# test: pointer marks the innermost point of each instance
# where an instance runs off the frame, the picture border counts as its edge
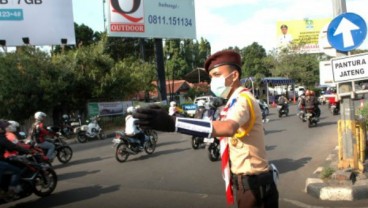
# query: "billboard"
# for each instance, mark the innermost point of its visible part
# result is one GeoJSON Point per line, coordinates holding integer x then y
{"type": "Point", "coordinates": [108, 108]}
{"type": "Point", "coordinates": [304, 33]}
{"type": "Point", "coordinates": [36, 22]}
{"type": "Point", "coordinates": [152, 18]}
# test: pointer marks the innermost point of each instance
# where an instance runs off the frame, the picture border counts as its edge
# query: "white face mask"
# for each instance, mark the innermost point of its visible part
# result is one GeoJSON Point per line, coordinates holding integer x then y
{"type": "Point", "coordinates": [219, 88]}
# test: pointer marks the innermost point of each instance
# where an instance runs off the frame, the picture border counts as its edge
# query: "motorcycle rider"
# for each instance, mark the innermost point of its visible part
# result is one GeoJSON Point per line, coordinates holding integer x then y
{"type": "Point", "coordinates": [131, 129]}
{"type": "Point", "coordinates": [283, 102]}
{"type": "Point", "coordinates": [172, 108]}
{"type": "Point", "coordinates": [264, 115]}
{"type": "Point", "coordinates": [39, 132]}
{"type": "Point", "coordinates": [317, 111]}
{"type": "Point", "coordinates": [10, 134]}
{"type": "Point", "coordinates": [310, 103]}
{"type": "Point", "coordinates": [200, 110]}
{"type": "Point", "coordinates": [301, 99]}
{"type": "Point", "coordinates": [6, 145]}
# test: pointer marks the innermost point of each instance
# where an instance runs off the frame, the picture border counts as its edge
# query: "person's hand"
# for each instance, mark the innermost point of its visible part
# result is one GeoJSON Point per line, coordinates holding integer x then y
{"type": "Point", "coordinates": [155, 117]}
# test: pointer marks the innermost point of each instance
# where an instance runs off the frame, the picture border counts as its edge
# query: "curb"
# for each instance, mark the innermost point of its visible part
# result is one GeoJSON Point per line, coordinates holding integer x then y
{"type": "Point", "coordinates": [318, 188]}
{"type": "Point", "coordinates": [340, 190]}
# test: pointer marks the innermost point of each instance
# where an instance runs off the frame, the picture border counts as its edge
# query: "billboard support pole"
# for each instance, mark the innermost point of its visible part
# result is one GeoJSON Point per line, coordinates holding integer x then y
{"type": "Point", "coordinates": [161, 84]}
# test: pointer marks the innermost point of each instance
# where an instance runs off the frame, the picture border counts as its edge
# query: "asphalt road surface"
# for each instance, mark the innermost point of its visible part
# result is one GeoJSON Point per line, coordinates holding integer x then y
{"type": "Point", "coordinates": [178, 176]}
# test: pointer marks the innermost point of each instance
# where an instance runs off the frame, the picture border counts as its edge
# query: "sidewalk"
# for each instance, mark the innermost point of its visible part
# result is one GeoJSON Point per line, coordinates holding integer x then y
{"type": "Point", "coordinates": [342, 185]}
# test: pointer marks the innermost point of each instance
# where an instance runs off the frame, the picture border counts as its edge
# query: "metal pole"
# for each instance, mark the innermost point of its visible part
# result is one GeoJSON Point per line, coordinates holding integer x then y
{"type": "Point", "coordinates": [339, 7]}
{"type": "Point", "coordinates": [199, 75]}
{"type": "Point", "coordinates": [267, 93]}
{"type": "Point", "coordinates": [347, 108]}
{"type": "Point", "coordinates": [160, 69]}
{"type": "Point", "coordinates": [104, 13]}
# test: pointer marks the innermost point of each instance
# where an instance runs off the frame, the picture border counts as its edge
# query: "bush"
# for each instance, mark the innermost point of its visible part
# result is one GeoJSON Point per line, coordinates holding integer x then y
{"type": "Point", "coordinates": [327, 172]}
{"type": "Point", "coordinates": [363, 112]}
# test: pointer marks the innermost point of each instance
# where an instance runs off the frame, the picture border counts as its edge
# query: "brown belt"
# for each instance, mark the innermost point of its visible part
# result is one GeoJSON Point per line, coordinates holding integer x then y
{"type": "Point", "coordinates": [253, 181]}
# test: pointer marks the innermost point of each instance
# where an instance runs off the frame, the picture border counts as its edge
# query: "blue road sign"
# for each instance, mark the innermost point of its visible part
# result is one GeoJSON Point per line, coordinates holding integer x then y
{"type": "Point", "coordinates": [347, 32]}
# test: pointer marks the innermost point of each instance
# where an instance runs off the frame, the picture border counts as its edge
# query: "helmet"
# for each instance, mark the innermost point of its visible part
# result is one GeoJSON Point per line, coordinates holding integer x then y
{"type": "Point", "coordinates": [13, 125]}
{"type": "Point", "coordinates": [307, 93]}
{"type": "Point", "coordinates": [130, 109]}
{"type": "Point", "coordinates": [172, 103]}
{"type": "Point", "coordinates": [200, 103]}
{"type": "Point", "coordinates": [65, 116]}
{"type": "Point", "coordinates": [39, 116]}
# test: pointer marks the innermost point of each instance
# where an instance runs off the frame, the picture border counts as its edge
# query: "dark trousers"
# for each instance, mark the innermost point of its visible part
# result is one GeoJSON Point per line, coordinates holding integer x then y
{"type": "Point", "coordinates": [252, 193]}
{"type": "Point", "coordinates": [7, 168]}
{"type": "Point", "coordinates": [141, 137]}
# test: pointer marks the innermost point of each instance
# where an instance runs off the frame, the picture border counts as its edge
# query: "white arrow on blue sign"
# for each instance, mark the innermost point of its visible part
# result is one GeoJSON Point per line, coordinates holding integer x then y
{"type": "Point", "coordinates": [347, 32]}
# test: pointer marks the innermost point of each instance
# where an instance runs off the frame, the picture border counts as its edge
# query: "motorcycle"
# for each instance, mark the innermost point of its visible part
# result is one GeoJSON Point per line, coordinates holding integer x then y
{"type": "Point", "coordinates": [214, 149]}
{"type": "Point", "coordinates": [301, 114]}
{"type": "Point", "coordinates": [125, 145]}
{"type": "Point", "coordinates": [335, 109]}
{"type": "Point", "coordinates": [311, 117]}
{"type": "Point", "coordinates": [64, 152]}
{"type": "Point", "coordinates": [37, 178]}
{"type": "Point", "coordinates": [90, 131]}
{"type": "Point", "coordinates": [283, 110]}
{"type": "Point", "coordinates": [68, 126]}
{"type": "Point", "coordinates": [334, 105]}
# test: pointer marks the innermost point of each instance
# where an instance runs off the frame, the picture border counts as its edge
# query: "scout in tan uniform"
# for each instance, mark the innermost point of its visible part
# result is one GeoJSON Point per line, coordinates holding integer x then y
{"type": "Point", "coordinates": [240, 128]}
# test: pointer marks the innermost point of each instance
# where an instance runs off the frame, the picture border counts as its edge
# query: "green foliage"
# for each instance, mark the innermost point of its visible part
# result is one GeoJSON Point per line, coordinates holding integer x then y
{"type": "Point", "coordinates": [182, 56]}
{"type": "Point", "coordinates": [253, 61]}
{"type": "Point", "coordinates": [84, 36]}
{"type": "Point", "coordinates": [303, 68]}
{"type": "Point", "coordinates": [199, 89]}
{"type": "Point", "coordinates": [29, 82]}
{"type": "Point", "coordinates": [363, 113]}
{"type": "Point", "coordinates": [327, 172]}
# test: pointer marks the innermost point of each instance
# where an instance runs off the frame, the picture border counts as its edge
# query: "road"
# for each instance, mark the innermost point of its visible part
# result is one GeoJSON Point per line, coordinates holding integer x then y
{"type": "Point", "coordinates": [176, 175]}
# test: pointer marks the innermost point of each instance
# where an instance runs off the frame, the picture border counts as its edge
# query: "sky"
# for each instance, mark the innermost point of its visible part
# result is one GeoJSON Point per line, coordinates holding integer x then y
{"type": "Point", "coordinates": [230, 23]}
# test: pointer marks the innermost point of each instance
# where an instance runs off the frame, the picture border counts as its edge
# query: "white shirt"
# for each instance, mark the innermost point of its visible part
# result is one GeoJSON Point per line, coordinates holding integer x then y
{"type": "Point", "coordinates": [130, 128]}
{"type": "Point", "coordinates": [284, 40]}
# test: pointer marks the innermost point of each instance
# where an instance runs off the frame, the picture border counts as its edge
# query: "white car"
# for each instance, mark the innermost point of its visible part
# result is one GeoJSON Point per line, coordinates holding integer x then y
{"type": "Point", "coordinates": [207, 99]}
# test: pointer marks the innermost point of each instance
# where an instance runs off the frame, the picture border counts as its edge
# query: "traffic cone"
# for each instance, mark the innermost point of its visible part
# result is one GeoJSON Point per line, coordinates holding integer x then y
{"type": "Point", "coordinates": [294, 100]}
{"type": "Point", "coordinates": [273, 103]}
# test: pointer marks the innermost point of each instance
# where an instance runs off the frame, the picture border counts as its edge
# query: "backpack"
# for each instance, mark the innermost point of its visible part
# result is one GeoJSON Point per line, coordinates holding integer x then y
{"type": "Point", "coordinates": [309, 102]}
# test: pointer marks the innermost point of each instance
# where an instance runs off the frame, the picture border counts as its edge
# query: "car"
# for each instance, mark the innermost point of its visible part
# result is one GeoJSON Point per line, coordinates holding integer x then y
{"type": "Point", "coordinates": [207, 99]}
{"type": "Point", "coordinates": [189, 109]}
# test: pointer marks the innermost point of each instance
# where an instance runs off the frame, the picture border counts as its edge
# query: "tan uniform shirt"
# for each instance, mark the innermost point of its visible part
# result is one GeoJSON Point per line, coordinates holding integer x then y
{"type": "Point", "coordinates": [248, 156]}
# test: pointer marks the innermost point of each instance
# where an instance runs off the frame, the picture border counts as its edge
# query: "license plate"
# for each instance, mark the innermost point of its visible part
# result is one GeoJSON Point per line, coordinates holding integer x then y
{"type": "Point", "coordinates": [208, 140]}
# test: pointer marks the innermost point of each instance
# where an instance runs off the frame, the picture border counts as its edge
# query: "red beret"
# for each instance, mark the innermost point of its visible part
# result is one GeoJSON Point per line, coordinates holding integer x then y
{"type": "Point", "coordinates": [225, 57]}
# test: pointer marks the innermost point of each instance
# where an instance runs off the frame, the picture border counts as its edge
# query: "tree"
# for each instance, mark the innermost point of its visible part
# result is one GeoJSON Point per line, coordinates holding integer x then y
{"type": "Point", "coordinates": [84, 36]}
{"type": "Point", "coordinates": [253, 61]}
{"type": "Point", "coordinates": [29, 83]}
{"type": "Point", "coordinates": [303, 68]}
{"type": "Point", "coordinates": [120, 48]}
